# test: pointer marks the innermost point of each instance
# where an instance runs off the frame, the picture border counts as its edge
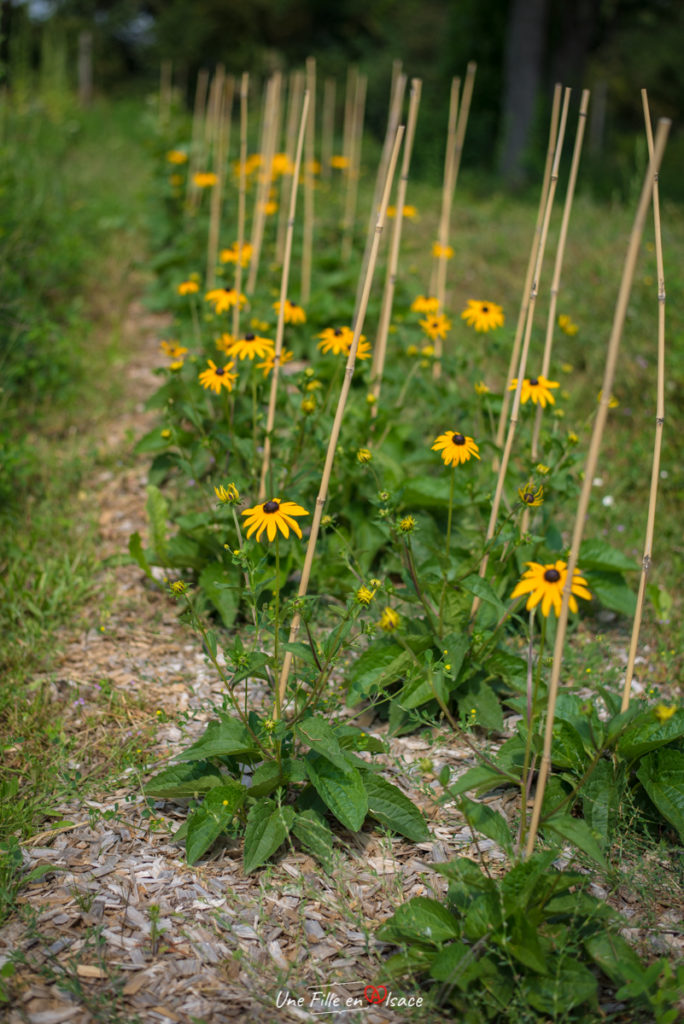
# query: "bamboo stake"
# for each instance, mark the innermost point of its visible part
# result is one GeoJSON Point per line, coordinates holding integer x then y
{"type": "Point", "coordinates": [309, 181]}
{"type": "Point", "coordinates": [328, 127]}
{"type": "Point", "coordinates": [284, 280]}
{"type": "Point", "coordinates": [522, 314]}
{"type": "Point", "coordinates": [223, 127]}
{"type": "Point", "coordinates": [448, 158]}
{"type": "Point", "coordinates": [555, 284]}
{"type": "Point", "coordinates": [590, 466]}
{"type": "Point", "coordinates": [195, 148]}
{"type": "Point", "coordinates": [348, 127]}
{"type": "Point", "coordinates": [378, 364]}
{"type": "Point", "coordinates": [165, 85]}
{"type": "Point", "coordinates": [214, 102]}
{"type": "Point", "coordinates": [294, 106]}
{"type": "Point", "coordinates": [355, 136]}
{"type": "Point", "coordinates": [491, 528]}
{"type": "Point", "coordinates": [267, 148]}
{"type": "Point", "coordinates": [337, 423]}
{"type": "Point", "coordinates": [242, 199]}
{"type": "Point", "coordinates": [659, 423]}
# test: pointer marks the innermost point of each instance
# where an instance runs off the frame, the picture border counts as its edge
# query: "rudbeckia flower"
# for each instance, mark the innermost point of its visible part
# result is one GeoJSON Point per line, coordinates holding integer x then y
{"type": "Point", "coordinates": [217, 377]}
{"type": "Point", "coordinates": [339, 163]}
{"type": "Point", "coordinates": [442, 252]}
{"type": "Point", "coordinates": [566, 325]}
{"type": "Point", "coordinates": [204, 179]}
{"type": "Point", "coordinates": [425, 304]}
{"type": "Point", "coordinates": [224, 299]}
{"type": "Point", "coordinates": [232, 255]}
{"type": "Point", "coordinates": [272, 516]}
{"type": "Point", "coordinates": [267, 365]}
{"type": "Point", "coordinates": [227, 495]}
{"type": "Point", "coordinates": [535, 389]}
{"type": "Point", "coordinates": [531, 497]}
{"type": "Point", "coordinates": [281, 164]}
{"type": "Point", "coordinates": [436, 326]}
{"type": "Point", "coordinates": [483, 316]}
{"type": "Point", "coordinates": [336, 340]}
{"type": "Point", "coordinates": [545, 583]}
{"type": "Point", "coordinates": [250, 346]}
{"type": "Point", "coordinates": [407, 211]}
{"type": "Point", "coordinates": [187, 288]}
{"type": "Point", "coordinates": [456, 448]}
{"type": "Point", "coordinates": [481, 388]}
{"type": "Point", "coordinates": [177, 157]}
{"type": "Point", "coordinates": [172, 349]}
{"type": "Point", "coordinates": [293, 314]}
{"type": "Point", "coordinates": [389, 620]}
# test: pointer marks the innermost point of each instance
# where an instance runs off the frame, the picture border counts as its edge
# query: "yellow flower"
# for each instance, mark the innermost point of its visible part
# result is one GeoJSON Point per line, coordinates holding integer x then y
{"type": "Point", "coordinates": [535, 389]}
{"type": "Point", "coordinates": [364, 595]}
{"type": "Point", "coordinates": [407, 211]}
{"type": "Point", "coordinates": [269, 361]}
{"type": "Point", "coordinates": [364, 350]}
{"type": "Point", "coordinates": [566, 325]}
{"type": "Point", "coordinates": [442, 252]}
{"type": "Point", "coordinates": [572, 437]}
{"type": "Point", "coordinates": [224, 299]}
{"type": "Point", "coordinates": [166, 434]}
{"type": "Point", "coordinates": [178, 587]}
{"type": "Point", "coordinates": [413, 350]}
{"type": "Point", "coordinates": [281, 164]}
{"type": "Point", "coordinates": [336, 340]}
{"type": "Point", "coordinates": [308, 406]}
{"type": "Point", "coordinates": [567, 367]}
{"type": "Point", "coordinates": [176, 180]}
{"type": "Point", "coordinates": [545, 583]}
{"type": "Point", "coordinates": [177, 157]}
{"type": "Point", "coordinates": [204, 179]}
{"type": "Point", "coordinates": [172, 349]}
{"type": "Point", "coordinates": [339, 163]}
{"type": "Point", "coordinates": [663, 712]}
{"type": "Point", "coordinates": [425, 304]}
{"type": "Point", "coordinates": [483, 316]}
{"type": "Point", "coordinates": [227, 495]}
{"type": "Point", "coordinates": [436, 326]}
{"type": "Point", "coordinates": [272, 516]}
{"type": "Point", "coordinates": [217, 377]}
{"type": "Point", "coordinates": [370, 398]}
{"type": "Point", "coordinates": [250, 346]}
{"type": "Point", "coordinates": [531, 497]}
{"type": "Point", "coordinates": [541, 468]}
{"type": "Point", "coordinates": [612, 404]}
{"type": "Point", "coordinates": [293, 314]}
{"type": "Point", "coordinates": [427, 350]}
{"type": "Point", "coordinates": [187, 288]}
{"type": "Point", "coordinates": [269, 207]}
{"type": "Point", "coordinates": [232, 255]}
{"type": "Point", "coordinates": [364, 455]}
{"type": "Point", "coordinates": [481, 388]}
{"type": "Point", "coordinates": [389, 620]}
{"type": "Point", "coordinates": [407, 524]}
{"type": "Point", "coordinates": [456, 448]}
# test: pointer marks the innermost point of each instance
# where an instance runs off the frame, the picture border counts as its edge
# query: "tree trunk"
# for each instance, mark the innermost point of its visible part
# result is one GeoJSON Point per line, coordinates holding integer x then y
{"type": "Point", "coordinates": [522, 71]}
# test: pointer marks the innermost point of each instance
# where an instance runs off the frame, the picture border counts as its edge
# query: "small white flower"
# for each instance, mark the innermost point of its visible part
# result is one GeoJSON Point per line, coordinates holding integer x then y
{"type": "Point", "coordinates": [598, 481]}
{"type": "Point", "coordinates": [663, 474]}
{"type": "Point", "coordinates": [608, 500]}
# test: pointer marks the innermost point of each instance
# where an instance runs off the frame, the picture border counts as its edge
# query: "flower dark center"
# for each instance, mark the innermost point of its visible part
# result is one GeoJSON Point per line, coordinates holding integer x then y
{"type": "Point", "coordinates": [528, 496]}
{"type": "Point", "coordinates": [552, 576]}
{"type": "Point", "coordinates": [270, 507]}
{"type": "Point", "coordinates": [219, 372]}
{"type": "Point", "coordinates": [534, 381]}
{"type": "Point", "coordinates": [484, 309]}
{"type": "Point", "coordinates": [228, 290]}
{"type": "Point", "coordinates": [337, 332]}
{"type": "Point", "coordinates": [457, 439]}
{"type": "Point", "coordinates": [250, 337]}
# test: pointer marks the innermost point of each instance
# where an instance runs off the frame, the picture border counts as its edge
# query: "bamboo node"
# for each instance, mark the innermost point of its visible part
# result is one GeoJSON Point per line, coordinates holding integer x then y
{"type": "Point", "coordinates": [660, 420]}
{"type": "Point", "coordinates": [646, 563]}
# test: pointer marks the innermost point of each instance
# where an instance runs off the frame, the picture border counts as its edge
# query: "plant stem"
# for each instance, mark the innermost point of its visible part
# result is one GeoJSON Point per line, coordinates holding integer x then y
{"type": "Point", "coordinates": [447, 547]}
{"type": "Point", "coordinates": [531, 705]}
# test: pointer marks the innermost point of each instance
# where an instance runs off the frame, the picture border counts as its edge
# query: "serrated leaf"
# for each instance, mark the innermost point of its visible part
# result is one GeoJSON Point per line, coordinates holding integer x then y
{"type": "Point", "coordinates": [480, 778]}
{"type": "Point", "coordinates": [596, 554]}
{"type": "Point", "coordinates": [661, 773]}
{"type": "Point", "coordinates": [268, 825]}
{"type": "Point", "coordinates": [315, 836]}
{"type": "Point", "coordinates": [612, 591]}
{"type": "Point", "coordinates": [577, 832]}
{"type": "Point", "coordinates": [183, 780]}
{"type": "Point", "coordinates": [226, 600]}
{"type": "Point", "coordinates": [317, 734]}
{"type": "Point", "coordinates": [487, 821]}
{"type": "Point", "coordinates": [479, 696]}
{"type": "Point", "coordinates": [208, 821]}
{"type": "Point", "coordinates": [136, 550]}
{"type": "Point", "coordinates": [483, 589]}
{"type": "Point", "coordinates": [342, 792]}
{"type": "Point", "coordinates": [648, 733]}
{"type": "Point", "coordinates": [600, 798]}
{"type": "Point", "coordinates": [224, 737]}
{"type": "Point", "coordinates": [431, 492]}
{"type": "Point", "coordinates": [378, 666]}
{"type": "Point", "coordinates": [421, 919]}
{"type": "Point", "coordinates": [389, 806]}
{"type": "Point", "coordinates": [270, 776]}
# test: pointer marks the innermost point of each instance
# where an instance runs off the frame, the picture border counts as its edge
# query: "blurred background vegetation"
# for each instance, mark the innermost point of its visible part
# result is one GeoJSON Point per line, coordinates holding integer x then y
{"type": "Point", "coordinates": [522, 47]}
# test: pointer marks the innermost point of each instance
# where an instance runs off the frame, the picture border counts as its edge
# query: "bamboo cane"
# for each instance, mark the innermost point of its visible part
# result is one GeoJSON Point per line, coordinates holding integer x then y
{"type": "Point", "coordinates": [503, 468]}
{"type": "Point", "coordinates": [225, 101]}
{"type": "Point", "coordinates": [294, 106]}
{"type": "Point", "coordinates": [267, 149]}
{"type": "Point", "coordinates": [522, 314]}
{"type": "Point", "coordinates": [448, 158]}
{"type": "Point", "coordinates": [284, 281]}
{"type": "Point", "coordinates": [165, 87]}
{"type": "Point", "coordinates": [309, 181]}
{"type": "Point", "coordinates": [590, 466]}
{"type": "Point", "coordinates": [197, 131]}
{"type": "Point", "coordinates": [337, 423]}
{"type": "Point", "coordinates": [242, 200]}
{"type": "Point", "coordinates": [659, 423]}
{"type": "Point", "coordinates": [355, 136]}
{"type": "Point", "coordinates": [328, 127]}
{"type": "Point", "coordinates": [378, 365]}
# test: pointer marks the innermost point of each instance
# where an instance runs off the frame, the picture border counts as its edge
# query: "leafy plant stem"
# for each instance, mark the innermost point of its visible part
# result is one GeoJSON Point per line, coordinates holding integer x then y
{"type": "Point", "coordinates": [447, 547]}
{"type": "Point", "coordinates": [532, 691]}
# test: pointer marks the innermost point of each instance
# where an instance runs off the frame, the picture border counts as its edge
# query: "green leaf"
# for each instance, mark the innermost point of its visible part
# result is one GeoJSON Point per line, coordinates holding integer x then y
{"type": "Point", "coordinates": [420, 920]}
{"type": "Point", "coordinates": [157, 513]}
{"type": "Point", "coordinates": [481, 697]}
{"type": "Point", "coordinates": [601, 799]}
{"type": "Point", "coordinates": [523, 942]}
{"type": "Point", "coordinates": [596, 554]}
{"type": "Point", "coordinates": [317, 734]}
{"type": "Point", "coordinates": [612, 591]}
{"type": "Point", "coordinates": [448, 964]}
{"type": "Point", "coordinates": [379, 666]}
{"type": "Point", "coordinates": [267, 828]}
{"type": "Point", "coordinates": [389, 806]}
{"type": "Point", "coordinates": [431, 492]}
{"type": "Point", "coordinates": [480, 779]}
{"type": "Point", "coordinates": [136, 549]}
{"type": "Point", "coordinates": [207, 823]}
{"type": "Point", "coordinates": [226, 600]}
{"type": "Point", "coordinates": [648, 733]}
{"type": "Point", "coordinates": [570, 984]}
{"type": "Point", "coordinates": [577, 832]}
{"type": "Point", "coordinates": [661, 773]}
{"type": "Point", "coordinates": [224, 737]}
{"type": "Point", "coordinates": [342, 792]}
{"type": "Point", "coordinates": [183, 780]}
{"type": "Point", "coordinates": [483, 589]}
{"type": "Point", "coordinates": [269, 776]}
{"type": "Point", "coordinates": [352, 738]}
{"type": "Point", "coordinates": [568, 750]}
{"type": "Point", "coordinates": [314, 834]}
{"type": "Point", "coordinates": [488, 822]}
